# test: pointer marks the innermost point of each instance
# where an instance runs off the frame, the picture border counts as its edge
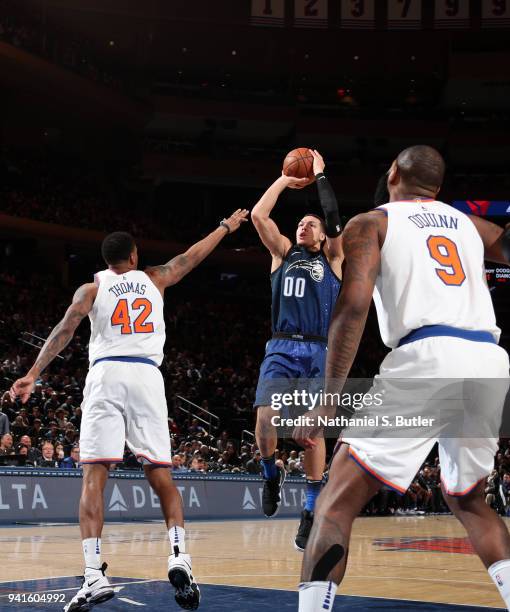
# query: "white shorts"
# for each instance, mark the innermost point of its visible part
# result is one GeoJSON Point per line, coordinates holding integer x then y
{"type": "Point", "coordinates": [124, 402]}
{"type": "Point", "coordinates": [464, 461]}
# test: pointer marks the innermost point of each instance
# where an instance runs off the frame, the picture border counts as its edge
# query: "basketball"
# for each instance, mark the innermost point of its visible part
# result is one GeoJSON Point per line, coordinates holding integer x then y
{"type": "Point", "coordinates": [299, 163]}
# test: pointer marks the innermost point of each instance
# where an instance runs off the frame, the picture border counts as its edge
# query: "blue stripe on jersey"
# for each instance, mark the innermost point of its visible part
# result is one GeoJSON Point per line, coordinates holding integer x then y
{"type": "Point", "coordinates": [431, 331]}
{"type": "Point", "coordinates": [128, 360]}
{"type": "Point", "coordinates": [304, 290]}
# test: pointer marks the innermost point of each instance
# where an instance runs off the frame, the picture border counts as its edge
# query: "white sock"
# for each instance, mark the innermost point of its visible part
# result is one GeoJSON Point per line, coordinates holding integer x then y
{"type": "Point", "coordinates": [176, 535]}
{"type": "Point", "coordinates": [318, 595]}
{"type": "Point", "coordinates": [500, 573]}
{"type": "Point", "coordinates": [92, 552]}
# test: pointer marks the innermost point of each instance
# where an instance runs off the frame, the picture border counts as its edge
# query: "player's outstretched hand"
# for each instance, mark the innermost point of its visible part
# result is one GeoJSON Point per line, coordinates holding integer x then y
{"type": "Point", "coordinates": [236, 219]}
{"type": "Point", "coordinates": [318, 162]}
{"type": "Point", "coordinates": [295, 183]}
{"type": "Point", "coordinates": [22, 388]}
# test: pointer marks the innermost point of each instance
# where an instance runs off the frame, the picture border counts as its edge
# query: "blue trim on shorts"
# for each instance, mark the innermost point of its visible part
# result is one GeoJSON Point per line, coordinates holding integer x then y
{"type": "Point", "coordinates": [127, 359]}
{"type": "Point", "coordinates": [430, 331]}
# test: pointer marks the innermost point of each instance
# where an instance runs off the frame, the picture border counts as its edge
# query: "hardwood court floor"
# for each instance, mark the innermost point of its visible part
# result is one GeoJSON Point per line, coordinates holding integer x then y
{"type": "Point", "coordinates": [402, 558]}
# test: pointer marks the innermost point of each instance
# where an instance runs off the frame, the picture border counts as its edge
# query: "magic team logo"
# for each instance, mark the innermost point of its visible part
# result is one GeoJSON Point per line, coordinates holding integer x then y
{"type": "Point", "coordinates": [461, 546]}
{"type": "Point", "coordinates": [315, 267]}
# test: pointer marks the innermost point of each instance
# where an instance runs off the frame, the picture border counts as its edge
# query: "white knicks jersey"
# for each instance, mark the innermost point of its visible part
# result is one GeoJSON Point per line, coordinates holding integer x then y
{"type": "Point", "coordinates": [127, 317]}
{"type": "Point", "coordinates": [432, 272]}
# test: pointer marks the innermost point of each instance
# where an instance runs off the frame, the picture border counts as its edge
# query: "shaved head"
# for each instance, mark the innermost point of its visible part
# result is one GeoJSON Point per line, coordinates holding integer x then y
{"type": "Point", "coordinates": [421, 167]}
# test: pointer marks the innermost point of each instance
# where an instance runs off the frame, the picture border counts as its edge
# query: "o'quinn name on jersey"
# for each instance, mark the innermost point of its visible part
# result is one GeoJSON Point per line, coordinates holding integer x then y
{"type": "Point", "coordinates": [427, 219]}
{"type": "Point", "coordinates": [121, 288]}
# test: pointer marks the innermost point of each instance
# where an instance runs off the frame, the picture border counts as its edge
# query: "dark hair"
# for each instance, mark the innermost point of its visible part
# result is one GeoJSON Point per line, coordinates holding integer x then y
{"type": "Point", "coordinates": [421, 166]}
{"type": "Point", "coordinates": [117, 247]}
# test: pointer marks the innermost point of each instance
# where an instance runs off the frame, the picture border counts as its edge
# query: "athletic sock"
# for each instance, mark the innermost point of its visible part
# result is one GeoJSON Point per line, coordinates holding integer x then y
{"type": "Point", "coordinates": [317, 595]}
{"type": "Point", "coordinates": [269, 469]}
{"type": "Point", "coordinates": [176, 535]}
{"type": "Point", "coordinates": [313, 488]}
{"type": "Point", "coordinates": [500, 573]}
{"type": "Point", "coordinates": [92, 553]}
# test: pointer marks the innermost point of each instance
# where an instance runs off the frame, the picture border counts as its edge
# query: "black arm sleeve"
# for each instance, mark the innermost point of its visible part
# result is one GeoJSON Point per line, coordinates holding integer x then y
{"type": "Point", "coordinates": [329, 206]}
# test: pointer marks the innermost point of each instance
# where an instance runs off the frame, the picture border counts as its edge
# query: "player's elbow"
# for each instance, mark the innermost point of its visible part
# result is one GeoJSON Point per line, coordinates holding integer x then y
{"type": "Point", "coordinates": [258, 218]}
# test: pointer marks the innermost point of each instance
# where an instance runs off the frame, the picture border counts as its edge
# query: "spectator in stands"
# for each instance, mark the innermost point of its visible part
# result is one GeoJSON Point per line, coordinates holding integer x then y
{"type": "Point", "coordinates": [69, 438]}
{"type": "Point", "coordinates": [59, 453]}
{"type": "Point", "coordinates": [51, 404]}
{"type": "Point", "coordinates": [36, 432]}
{"type": "Point", "coordinates": [34, 454]}
{"type": "Point", "coordinates": [22, 450]}
{"type": "Point", "coordinates": [73, 461]}
{"type": "Point", "coordinates": [198, 464]}
{"type": "Point", "coordinates": [6, 445]}
{"type": "Point", "coordinates": [178, 463]}
{"type": "Point", "coordinates": [60, 417]}
{"type": "Point", "coordinates": [222, 441]}
{"type": "Point", "coordinates": [195, 429]}
{"type": "Point", "coordinates": [293, 469]}
{"type": "Point", "coordinates": [8, 407]}
{"type": "Point", "coordinates": [4, 423]}
{"type": "Point", "coordinates": [493, 493]}
{"type": "Point", "coordinates": [76, 418]}
{"type": "Point", "coordinates": [506, 491]}
{"type": "Point", "coordinates": [253, 466]}
{"type": "Point", "coordinates": [47, 459]}
{"type": "Point", "coordinates": [19, 427]}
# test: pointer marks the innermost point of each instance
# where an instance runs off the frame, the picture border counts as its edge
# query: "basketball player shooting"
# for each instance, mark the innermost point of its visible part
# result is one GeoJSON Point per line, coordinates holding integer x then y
{"type": "Point", "coordinates": [423, 262]}
{"type": "Point", "coordinates": [124, 396]}
{"type": "Point", "coordinates": [305, 281]}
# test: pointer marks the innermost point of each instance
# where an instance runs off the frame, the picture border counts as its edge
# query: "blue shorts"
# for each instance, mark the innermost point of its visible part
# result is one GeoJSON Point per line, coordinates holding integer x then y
{"type": "Point", "coordinates": [288, 363]}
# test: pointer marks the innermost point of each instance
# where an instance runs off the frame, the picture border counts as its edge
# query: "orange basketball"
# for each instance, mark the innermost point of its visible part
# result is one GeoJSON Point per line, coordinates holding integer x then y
{"type": "Point", "coordinates": [299, 163]}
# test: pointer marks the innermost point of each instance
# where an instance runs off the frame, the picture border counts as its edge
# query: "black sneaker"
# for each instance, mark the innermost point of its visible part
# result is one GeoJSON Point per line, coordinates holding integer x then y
{"type": "Point", "coordinates": [303, 533]}
{"type": "Point", "coordinates": [271, 497]}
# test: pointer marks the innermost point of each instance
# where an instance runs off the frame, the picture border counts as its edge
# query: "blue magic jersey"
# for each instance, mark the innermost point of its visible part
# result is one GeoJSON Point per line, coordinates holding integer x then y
{"type": "Point", "coordinates": [305, 290]}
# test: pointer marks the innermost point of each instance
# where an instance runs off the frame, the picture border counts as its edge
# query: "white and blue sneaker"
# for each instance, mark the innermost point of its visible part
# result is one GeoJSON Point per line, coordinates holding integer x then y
{"type": "Point", "coordinates": [95, 590]}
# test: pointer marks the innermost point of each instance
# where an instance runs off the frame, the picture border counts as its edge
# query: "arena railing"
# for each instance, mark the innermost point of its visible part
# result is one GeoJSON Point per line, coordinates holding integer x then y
{"type": "Point", "coordinates": [213, 421]}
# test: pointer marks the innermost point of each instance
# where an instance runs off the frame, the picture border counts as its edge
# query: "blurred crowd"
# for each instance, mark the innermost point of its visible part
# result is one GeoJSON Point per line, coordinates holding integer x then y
{"type": "Point", "coordinates": [24, 30]}
{"type": "Point", "coordinates": [63, 191]}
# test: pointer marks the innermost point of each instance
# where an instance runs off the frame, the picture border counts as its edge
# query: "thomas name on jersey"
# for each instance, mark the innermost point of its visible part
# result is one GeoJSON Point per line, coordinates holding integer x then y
{"type": "Point", "coordinates": [427, 219]}
{"type": "Point", "coordinates": [122, 288]}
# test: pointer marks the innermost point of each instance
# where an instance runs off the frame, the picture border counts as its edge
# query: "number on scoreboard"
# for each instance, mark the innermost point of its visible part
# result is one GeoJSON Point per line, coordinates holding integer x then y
{"type": "Point", "coordinates": [269, 13]}
{"type": "Point", "coordinates": [311, 13]}
{"type": "Point", "coordinates": [358, 14]}
{"type": "Point", "coordinates": [495, 13]}
{"type": "Point", "coordinates": [451, 14]}
{"type": "Point", "coordinates": [404, 14]}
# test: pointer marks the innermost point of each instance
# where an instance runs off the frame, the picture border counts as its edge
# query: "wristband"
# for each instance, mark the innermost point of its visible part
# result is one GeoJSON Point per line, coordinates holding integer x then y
{"type": "Point", "coordinates": [225, 225]}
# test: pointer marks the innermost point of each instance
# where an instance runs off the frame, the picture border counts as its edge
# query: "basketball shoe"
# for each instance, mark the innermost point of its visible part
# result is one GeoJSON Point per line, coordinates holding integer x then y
{"type": "Point", "coordinates": [95, 590]}
{"type": "Point", "coordinates": [305, 526]}
{"type": "Point", "coordinates": [271, 494]}
{"type": "Point", "coordinates": [187, 593]}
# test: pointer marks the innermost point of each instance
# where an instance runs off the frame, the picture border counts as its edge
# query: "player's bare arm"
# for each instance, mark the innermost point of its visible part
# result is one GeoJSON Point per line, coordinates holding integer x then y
{"type": "Point", "coordinates": [363, 237]}
{"type": "Point", "coordinates": [174, 270]}
{"type": "Point", "coordinates": [333, 247]}
{"type": "Point", "coordinates": [496, 240]}
{"type": "Point", "coordinates": [361, 244]}
{"type": "Point", "coordinates": [58, 339]}
{"type": "Point", "coordinates": [275, 242]}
